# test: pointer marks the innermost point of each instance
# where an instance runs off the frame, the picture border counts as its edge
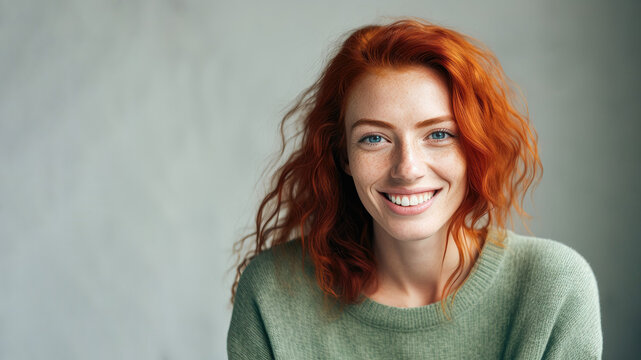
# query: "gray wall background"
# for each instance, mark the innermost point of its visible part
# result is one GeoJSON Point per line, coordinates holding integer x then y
{"type": "Point", "coordinates": [133, 135]}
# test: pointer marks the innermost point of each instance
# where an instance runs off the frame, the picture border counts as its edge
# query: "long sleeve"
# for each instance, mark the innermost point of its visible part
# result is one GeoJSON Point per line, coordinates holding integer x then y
{"type": "Point", "coordinates": [577, 332]}
{"type": "Point", "coordinates": [247, 337]}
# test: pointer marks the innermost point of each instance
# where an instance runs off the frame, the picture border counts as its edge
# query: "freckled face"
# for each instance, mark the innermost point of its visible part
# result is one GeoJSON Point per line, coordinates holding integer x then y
{"type": "Point", "coordinates": [403, 151]}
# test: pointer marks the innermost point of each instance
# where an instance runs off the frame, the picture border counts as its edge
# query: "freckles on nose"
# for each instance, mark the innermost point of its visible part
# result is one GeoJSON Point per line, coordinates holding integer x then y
{"type": "Point", "coordinates": [407, 163]}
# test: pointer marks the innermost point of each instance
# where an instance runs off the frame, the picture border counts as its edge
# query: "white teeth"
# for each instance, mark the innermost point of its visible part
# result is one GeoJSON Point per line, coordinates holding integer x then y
{"type": "Point", "coordinates": [411, 200]}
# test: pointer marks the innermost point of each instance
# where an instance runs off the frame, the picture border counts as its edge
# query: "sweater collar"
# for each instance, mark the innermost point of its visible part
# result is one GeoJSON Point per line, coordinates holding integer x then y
{"type": "Point", "coordinates": [481, 277]}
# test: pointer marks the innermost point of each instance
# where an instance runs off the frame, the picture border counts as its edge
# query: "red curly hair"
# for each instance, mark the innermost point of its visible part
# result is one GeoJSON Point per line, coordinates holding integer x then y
{"type": "Point", "coordinates": [314, 199]}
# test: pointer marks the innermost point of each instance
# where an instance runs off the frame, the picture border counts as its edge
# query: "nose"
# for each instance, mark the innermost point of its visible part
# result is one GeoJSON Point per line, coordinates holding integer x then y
{"type": "Point", "coordinates": [408, 163]}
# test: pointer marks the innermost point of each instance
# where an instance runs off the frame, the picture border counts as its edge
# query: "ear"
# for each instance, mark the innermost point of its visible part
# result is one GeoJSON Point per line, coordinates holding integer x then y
{"type": "Point", "coordinates": [346, 168]}
{"type": "Point", "coordinates": [345, 165]}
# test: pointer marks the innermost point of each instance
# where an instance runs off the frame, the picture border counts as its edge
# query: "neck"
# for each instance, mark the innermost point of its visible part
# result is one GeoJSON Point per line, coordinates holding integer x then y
{"type": "Point", "coordinates": [414, 273]}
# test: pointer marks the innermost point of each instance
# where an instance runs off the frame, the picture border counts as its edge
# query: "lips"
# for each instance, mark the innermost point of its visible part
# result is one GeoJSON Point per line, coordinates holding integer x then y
{"type": "Point", "coordinates": [407, 198]}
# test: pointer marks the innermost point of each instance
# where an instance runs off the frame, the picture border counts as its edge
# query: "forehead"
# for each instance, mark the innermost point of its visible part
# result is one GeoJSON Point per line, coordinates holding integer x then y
{"type": "Point", "coordinates": [401, 96]}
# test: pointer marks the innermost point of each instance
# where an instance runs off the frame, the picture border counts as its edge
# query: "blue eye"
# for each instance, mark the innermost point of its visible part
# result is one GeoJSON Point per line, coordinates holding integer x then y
{"type": "Point", "coordinates": [439, 135]}
{"type": "Point", "coordinates": [372, 139]}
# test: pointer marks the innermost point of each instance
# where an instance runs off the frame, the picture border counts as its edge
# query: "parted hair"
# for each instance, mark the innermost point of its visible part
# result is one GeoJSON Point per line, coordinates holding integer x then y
{"type": "Point", "coordinates": [311, 196]}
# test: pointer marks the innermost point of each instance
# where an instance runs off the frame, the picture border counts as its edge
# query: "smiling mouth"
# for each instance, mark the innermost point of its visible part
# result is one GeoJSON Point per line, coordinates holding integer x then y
{"type": "Point", "coordinates": [411, 199]}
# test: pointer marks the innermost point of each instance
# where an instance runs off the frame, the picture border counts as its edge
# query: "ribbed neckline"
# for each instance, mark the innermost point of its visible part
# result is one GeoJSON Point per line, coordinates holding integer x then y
{"type": "Point", "coordinates": [482, 275]}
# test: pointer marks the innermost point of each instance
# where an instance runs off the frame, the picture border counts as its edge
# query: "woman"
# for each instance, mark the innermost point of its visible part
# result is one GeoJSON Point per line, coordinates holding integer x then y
{"type": "Point", "coordinates": [412, 155]}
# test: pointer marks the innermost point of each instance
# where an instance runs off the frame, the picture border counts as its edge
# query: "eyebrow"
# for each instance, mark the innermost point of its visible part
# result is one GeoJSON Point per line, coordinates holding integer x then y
{"type": "Point", "coordinates": [383, 124]}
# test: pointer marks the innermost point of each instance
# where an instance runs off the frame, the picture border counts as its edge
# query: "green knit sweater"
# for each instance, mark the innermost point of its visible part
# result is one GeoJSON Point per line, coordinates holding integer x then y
{"type": "Point", "coordinates": [531, 299]}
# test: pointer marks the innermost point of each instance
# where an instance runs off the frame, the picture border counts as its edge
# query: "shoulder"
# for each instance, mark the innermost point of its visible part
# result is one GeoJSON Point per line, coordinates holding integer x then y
{"type": "Point", "coordinates": [275, 269]}
{"type": "Point", "coordinates": [268, 258]}
{"type": "Point", "coordinates": [546, 256]}
{"type": "Point", "coordinates": [552, 300]}
{"type": "Point", "coordinates": [548, 273]}
{"type": "Point", "coordinates": [554, 292]}
{"type": "Point", "coordinates": [260, 303]}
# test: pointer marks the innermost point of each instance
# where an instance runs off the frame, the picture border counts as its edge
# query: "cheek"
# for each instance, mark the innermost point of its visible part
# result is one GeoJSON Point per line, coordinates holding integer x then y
{"type": "Point", "coordinates": [366, 168]}
{"type": "Point", "coordinates": [452, 167]}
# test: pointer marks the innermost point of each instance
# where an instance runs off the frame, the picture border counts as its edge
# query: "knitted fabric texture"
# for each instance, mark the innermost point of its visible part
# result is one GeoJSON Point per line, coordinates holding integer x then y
{"type": "Point", "coordinates": [531, 299]}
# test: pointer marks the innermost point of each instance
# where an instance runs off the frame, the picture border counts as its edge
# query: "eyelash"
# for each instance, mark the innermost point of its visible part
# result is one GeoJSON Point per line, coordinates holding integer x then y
{"type": "Point", "coordinates": [364, 139]}
{"type": "Point", "coordinates": [445, 131]}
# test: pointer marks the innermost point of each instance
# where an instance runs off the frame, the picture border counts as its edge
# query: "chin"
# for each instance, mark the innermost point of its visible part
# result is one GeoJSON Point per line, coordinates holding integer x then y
{"type": "Point", "coordinates": [403, 232]}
